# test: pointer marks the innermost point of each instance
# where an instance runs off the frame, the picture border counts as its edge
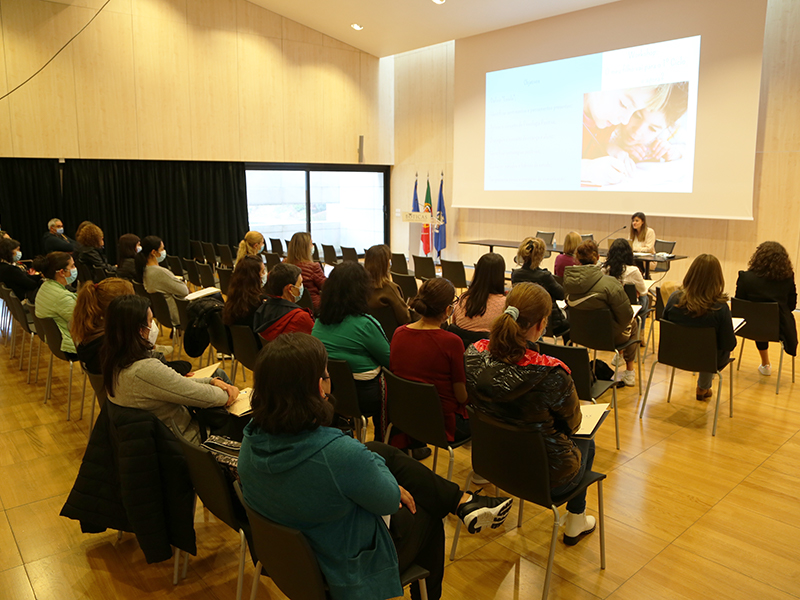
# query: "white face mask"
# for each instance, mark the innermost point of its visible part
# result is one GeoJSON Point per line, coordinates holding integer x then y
{"type": "Point", "coordinates": [162, 256]}
{"type": "Point", "coordinates": [299, 293]}
{"type": "Point", "coordinates": [152, 335]}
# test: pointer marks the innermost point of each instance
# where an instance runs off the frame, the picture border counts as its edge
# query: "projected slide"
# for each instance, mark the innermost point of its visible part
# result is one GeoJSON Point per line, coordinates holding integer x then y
{"type": "Point", "coordinates": [621, 120]}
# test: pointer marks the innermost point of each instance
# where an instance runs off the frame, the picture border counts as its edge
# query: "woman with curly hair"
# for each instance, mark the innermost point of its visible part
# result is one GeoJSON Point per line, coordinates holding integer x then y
{"type": "Point", "coordinates": [92, 242]}
{"type": "Point", "coordinates": [770, 278]}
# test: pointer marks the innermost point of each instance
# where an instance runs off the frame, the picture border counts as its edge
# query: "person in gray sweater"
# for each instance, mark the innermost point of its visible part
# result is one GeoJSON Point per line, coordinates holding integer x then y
{"type": "Point", "coordinates": [133, 379]}
{"type": "Point", "coordinates": [157, 279]}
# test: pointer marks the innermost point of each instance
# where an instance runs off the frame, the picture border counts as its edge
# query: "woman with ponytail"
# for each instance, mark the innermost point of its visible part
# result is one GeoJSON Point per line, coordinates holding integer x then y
{"type": "Point", "coordinates": [529, 257]}
{"type": "Point", "coordinates": [515, 384]}
{"type": "Point", "coordinates": [158, 279]}
{"type": "Point", "coordinates": [251, 245]}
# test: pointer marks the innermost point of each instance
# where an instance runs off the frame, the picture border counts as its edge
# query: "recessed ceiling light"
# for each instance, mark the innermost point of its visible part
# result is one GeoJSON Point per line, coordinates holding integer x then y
{"type": "Point", "coordinates": [356, 26]}
{"type": "Point", "coordinates": [438, 1]}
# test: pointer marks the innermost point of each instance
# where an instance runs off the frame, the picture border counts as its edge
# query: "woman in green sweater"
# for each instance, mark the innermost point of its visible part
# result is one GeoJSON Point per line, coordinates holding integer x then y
{"type": "Point", "coordinates": [54, 300]}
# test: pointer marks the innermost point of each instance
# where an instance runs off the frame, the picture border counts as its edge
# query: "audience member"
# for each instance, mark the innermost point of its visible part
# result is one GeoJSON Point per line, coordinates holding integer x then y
{"type": "Point", "coordinates": [91, 240]}
{"type": "Point", "coordinates": [567, 256]}
{"type": "Point", "coordinates": [244, 292]}
{"type": "Point", "coordinates": [377, 261]}
{"type": "Point", "coordinates": [588, 289]}
{"type": "Point", "coordinates": [157, 279]}
{"type": "Point", "coordinates": [301, 473]}
{"type": "Point", "coordinates": [251, 245]}
{"type": "Point", "coordinates": [770, 278]}
{"type": "Point", "coordinates": [55, 240]}
{"type": "Point", "coordinates": [128, 247]}
{"type": "Point", "coordinates": [529, 257]}
{"type": "Point", "coordinates": [423, 351]}
{"type": "Point", "coordinates": [512, 383]}
{"type": "Point", "coordinates": [619, 264]}
{"type": "Point", "coordinates": [299, 253]}
{"type": "Point", "coordinates": [702, 302]}
{"type": "Point", "coordinates": [280, 313]}
{"type": "Point", "coordinates": [54, 300]}
{"type": "Point", "coordinates": [133, 378]}
{"type": "Point", "coordinates": [22, 282]}
{"type": "Point", "coordinates": [350, 334]}
{"type": "Point", "coordinates": [482, 303]}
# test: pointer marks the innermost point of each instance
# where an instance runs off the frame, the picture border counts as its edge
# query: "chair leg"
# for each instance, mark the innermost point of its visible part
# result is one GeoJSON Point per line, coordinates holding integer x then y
{"type": "Point", "coordinates": [741, 349]}
{"type": "Point", "coordinates": [363, 433]}
{"type": "Point", "coordinates": [234, 364]}
{"type": "Point", "coordinates": [49, 379]}
{"type": "Point", "coordinates": [521, 512]}
{"type": "Point", "coordinates": [185, 564]}
{"type": "Point", "coordinates": [716, 409]}
{"type": "Point", "coordinates": [647, 391]}
{"type": "Point", "coordinates": [458, 524]}
{"type": "Point", "coordinates": [553, 541]}
{"type": "Point", "coordinates": [423, 589]}
{"type": "Point", "coordinates": [671, 381]}
{"type": "Point", "coordinates": [435, 459]}
{"type": "Point", "coordinates": [639, 364]}
{"type": "Point", "coordinates": [450, 467]}
{"type": "Point", "coordinates": [256, 577]}
{"type": "Point", "coordinates": [21, 351]}
{"type": "Point", "coordinates": [780, 368]}
{"type": "Point", "coordinates": [387, 434]}
{"type": "Point", "coordinates": [793, 369]}
{"type": "Point", "coordinates": [730, 392]}
{"type": "Point", "coordinates": [30, 356]}
{"type": "Point", "coordinates": [240, 579]}
{"type": "Point", "coordinates": [176, 566]}
{"type": "Point", "coordinates": [38, 358]}
{"type": "Point", "coordinates": [601, 523]}
{"type": "Point", "coordinates": [69, 393]}
{"type": "Point", "coordinates": [83, 393]}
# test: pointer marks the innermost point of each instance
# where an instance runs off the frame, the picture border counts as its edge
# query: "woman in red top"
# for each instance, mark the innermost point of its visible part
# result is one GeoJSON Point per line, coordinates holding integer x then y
{"type": "Point", "coordinates": [299, 253]}
{"type": "Point", "coordinates": [423, 351]}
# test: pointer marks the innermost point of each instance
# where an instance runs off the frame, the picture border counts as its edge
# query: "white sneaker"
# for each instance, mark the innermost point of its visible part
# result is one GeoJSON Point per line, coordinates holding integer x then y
{"type": "Point", "coordinates": [628, 378]}
{"type": "Point", "coordinates": [617, 360]}
{"type": "Point", "coordinates": [765, 370]}
{"type": "Point", "coordinates": [577, 526]}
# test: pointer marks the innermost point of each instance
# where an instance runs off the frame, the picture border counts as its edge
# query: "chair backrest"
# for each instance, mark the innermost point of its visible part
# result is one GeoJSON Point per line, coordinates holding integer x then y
{"type": "Point", "coordinates": [175, 265]}
{"type": "Point", "coordinates": [206, 275]}
{"type": "Point", "coordinates": [245, 346]}
{"type": "Point", "coordinates": [762, 320]}
{"type": "Point", "coordinates": [218, 333]}
{"type": "Point", "coordinates": [349, 254]}
{"type": "Point", "coordinates": [305, 300]}
{"type": "Point", "coordinates": [197, 250]}
{"type": "Point", "coordinates": [592, 328]}
{"type": "Point", "coordinates": [139, 290]}
{"type": "Point", "coordinates": [546, 237]}
{"type": "Point", "coordinates": [687, 348]}
{"type": "Point", "coordinates": [225, 255]}
{"type": "Point", "coordinates": [18, 311]}
{"type": "Point", "coordinates": [224, 275]}
{"type": "Point", "coordinates": [399, 263]}
{"type": "Point", "coordinates": [329, 254]}
{"type": "Point", "coordinates": [423, 267]}
{"type": "Point", "coordinates": [190, 266]}
{"type": "Point", "coordinates": [209, 482]}
{"type": "Point", "coordinates": [559, 279]}
{"type": "Point", "coordinates": [453, 271]}
{"type": "Point", "coordinates": [286, 555]}
{"type": "Point", "coordinates": [84, 273]}
{"type": "Point", "coordinates": [407, 284]}
{"type": "Point", "coordinates": [209, 253]}
{"type": "Point", "coordinates": [37, 324]}
{"type": "Point", "coordinates": [160, 308]}
{"type": "Point", "coordinates": [99, 388]}
{"type": "Point", "coordinates": [664, 246]}
{"type": "Point", "coordinates": [183, 312]}
{"type": "Point", "coordinates": [277, 246]}
{"type": "Point", "coordinates": [577, 359]}
{"type": "Point", "coordinates": [52, 336]}
{"type": "Point", "coordinates": [315, 252]}
{"type": "Point", "coordinates": [467, 336]}
{"type": "Point", "coordinates": [98, 274]}
{"type": "Point", "coordinates": [273, 260]}
{"type": "Point", "coordinates": [586, 237]}
{"type": "Point", "coordinates": [630, 290]}
{"type": "Point", "coordinates": [527, 475]}
{"type": "Point", "coordinates": [386, 317]}
{"type": "Point", "coordinates": [416, 409]}
{"type": "Point", "coordinates": [343, 388]}
{"type": "Point", "coordinates": [659, 304]}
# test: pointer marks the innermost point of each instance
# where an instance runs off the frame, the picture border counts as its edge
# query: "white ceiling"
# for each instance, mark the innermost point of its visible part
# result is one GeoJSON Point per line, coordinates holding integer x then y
{"type": "Point", "coordinates": [394, 26]}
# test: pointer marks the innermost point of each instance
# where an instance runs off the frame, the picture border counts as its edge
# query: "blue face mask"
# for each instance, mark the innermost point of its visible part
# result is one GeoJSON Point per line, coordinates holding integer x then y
{"type": "Point", "coordinates": [73, 275]}
{"type": "Point", "coordinates": [299, 293]}
{"type": "Point", "coordinates": [60, 231]}
{"type": "Point", "coordinates": [260, 249]}
{"type": "Point", "coordinates": [17, 256]}
{"type": "Point", "coordinates": [162, 256]}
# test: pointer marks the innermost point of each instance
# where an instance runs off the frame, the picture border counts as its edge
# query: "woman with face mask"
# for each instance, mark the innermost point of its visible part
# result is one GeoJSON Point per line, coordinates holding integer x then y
{"type": "Point", "coordinates": [281, 313]}
{"type": "Point", "coordinates": [245, 292]}
{"type": "Point", "coordinates": [133, 378]}
{"type": "Point", "coordinates": [13, 274]}
{"type": "Point", "coordinates": [54, 300]}
{"type": "Point", "coordinates": [158, 279]}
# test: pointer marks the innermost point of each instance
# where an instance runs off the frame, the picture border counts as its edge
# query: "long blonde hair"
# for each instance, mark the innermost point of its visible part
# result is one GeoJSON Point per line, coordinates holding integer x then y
{"type": "Point", "coordinates": [249, 245]}
{"type": "Point", "coordinates": [507, 340]}
{"type": "Point", "coordinates": [299, 250]}
{"type": "Point", "coordinates": [571, 243]}
{"type": "Point", "coordinates": [703, 286]}
{"type": "Point", "coordinates": [90, 307]}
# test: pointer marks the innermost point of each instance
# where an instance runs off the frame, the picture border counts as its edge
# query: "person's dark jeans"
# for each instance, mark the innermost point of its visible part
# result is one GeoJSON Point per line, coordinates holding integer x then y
{"type": "Point", "coordinates": [578, 504]}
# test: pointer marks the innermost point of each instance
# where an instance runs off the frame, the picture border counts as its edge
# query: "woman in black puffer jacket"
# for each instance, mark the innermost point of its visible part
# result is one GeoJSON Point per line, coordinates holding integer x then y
{"type": "Point", "coordinates": [509, 381]}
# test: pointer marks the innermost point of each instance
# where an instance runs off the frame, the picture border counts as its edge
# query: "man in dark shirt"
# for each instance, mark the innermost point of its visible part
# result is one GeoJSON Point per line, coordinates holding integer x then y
{"type": "Point", "coordinates": [55, 240]}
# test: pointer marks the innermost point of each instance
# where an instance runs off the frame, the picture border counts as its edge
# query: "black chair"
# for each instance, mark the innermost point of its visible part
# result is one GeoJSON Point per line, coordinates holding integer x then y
{"type": "Point", "coordinates": [139, 290]}
{"type": "Point", "coordinates": [666, 247]}
{"type": "Point", "coordinates": [762, 324]}
{"type": "Point", "coordinates": [585, 237]}
{"type": "Point", "coordinates": [594, 329]}
{"type": "Point", "coordinates": [547, 238]}
{"type": "Point", "coordinates": [407, 284]}
{"type": "Point", "coordinates": [315, 253]}
{"type": "Point", "coordinates": [161, 313]}
{"type": "Point", "coordinates": [416, 409]}
{"type": "Point", "coordinates": [190, 266]}
{"type": "Point", "coordinates": [399, 263]}
{"type": "Point", "coordinates": [210, 254]}
{"type": "Point", "coordinates": [245, 347]}
{"type": "Point", "coordinates": [214, 491]}
{"type": "Point", "coordinates": [633, 297]}
{"type": "Point", "coordinates": [305, 300]}
{"type": "Point", "coordinates": [386, 317]}
{"type": "Point", "coordinates": [98, 274]}
{"type": "Point", "coordinates": [52, 336]}
{"type": "Point", "coordinates": [277, 246]}
{"type": "Point", "coordinates": [183, 323]}
{"type": "Point", "coordinates": [516, 461]}
{"type": "Point", "coordinates": [225, 255]}
{"type": "Point", "coordinates": [285, 555]}
{"type": "Point", "coordinates": [453, 270]}
{"type": "Point", "coordinates": [659, 312]}
{"type": "Point", "coordinates": [423, 267]}
{"type": "Point", "coordinates": [39, 331]}
{"type": "Point", "coordinates": [577, 359]}
{"type": "Point", "coordinates": [349, 255]}
{"type": "Point", "coordinates": [689, 349]}
{"type": "Point", "coordinates": [329, 255]}
{"type": "Point", "coordinates": [206, 273]}
{"type": "Point", "coordinates": [221, 340]}
{"type": "Point", "coordinates": [224, 275]}
{"type": "Point", "coordinates": [343, 388]}
{"type": "Point", "coordinates": [174, 264]}
{"type": "Point", "coordinates": [468, 337]}
{"type": "Point", "coordinates": [197, 250]}
{"type": "Point", "coordinates": [273, 260]}
{"type": "Point", "coordinates": [28, 327]}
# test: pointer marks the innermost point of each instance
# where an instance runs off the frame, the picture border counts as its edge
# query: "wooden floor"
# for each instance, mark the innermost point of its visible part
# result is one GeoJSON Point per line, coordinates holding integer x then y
{"type": "Point", "coordinates": [688, 515]}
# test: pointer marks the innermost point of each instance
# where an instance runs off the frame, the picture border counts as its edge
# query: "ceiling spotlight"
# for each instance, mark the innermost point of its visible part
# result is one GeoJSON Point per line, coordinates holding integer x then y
{"type": "Point", "coordinates": [358, 27]}
{"type": "Point", "coordinates": [438, 1]}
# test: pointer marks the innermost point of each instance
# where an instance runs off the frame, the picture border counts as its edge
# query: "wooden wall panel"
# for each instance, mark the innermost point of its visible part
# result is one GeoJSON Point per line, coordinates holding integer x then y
{"type": "Point", "coordinates": [170, 10]}
{"type": "Point", "coordinates": [255, 20]}
{"type": "Point", "coordinates": [118, 6]}
{"type": "Point", "coordinates": [213, 85]}
{"type": "Point", "coordinates": [341, 75]}
{"type": "Point", "coordinates": [104, 88]}
{"type": "Point", "coordinates": [161, 55]}
{"type": "Point", "coordinates": [369, 96]}
{"type": "Point", "coordinates": [303, 112]}
{"type": "Point", "coordinates": [295, 32]}
{"type": "Point", "coordinates": [261, 98]}
{"type": "Point", "coordinates": [212, 14]}
{"type": "Point", "coordinates": [6, 148]}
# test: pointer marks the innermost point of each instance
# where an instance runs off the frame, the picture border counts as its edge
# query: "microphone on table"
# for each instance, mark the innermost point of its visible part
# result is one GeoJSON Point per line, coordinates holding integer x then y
{"type": "Point", "coordinates": [612, 233]}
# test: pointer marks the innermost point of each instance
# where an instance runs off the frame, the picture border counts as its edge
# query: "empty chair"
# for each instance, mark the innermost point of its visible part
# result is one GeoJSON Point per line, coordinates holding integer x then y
{"type": "Point", "coordinates": [225, 255]}
{"type": "Point", "coordinates": [386, 317]}
{"type": "Point", "coordinates": [399, 264]}
{"type": "Point", "coordinates": [416, 409]}
{"type": "Point", "coordinates": [424, 267]}
{"type": "Point", "coordinates": [192, 273]}
{"type": "Point", "coordinates": [277, 246]}
{"type": "Point", "coordinates": [52, 335]}
{"type": "Point", "coordinates": [666, 247]}
{"type": "Point", "coordinates": [407, 283]}
{"type": "Point", "coordinates": [516, 461]}
{"type": "Point", "coordinates": [315, 253]}
{"type": "Point", "coordinates": [343, 388]}
{"type": "Point", "coordinates": [210, 254]}
{"type": "Point", "coordinates": [454, 271]}
{"type": "Point", "coordinates": [245, 347]}
{"type": "Point", "coordinates": [197, 251]}
{"type": "Point", "coordinates": [689, 349]}
{"type": "Point", "coordinates": [329, 255]}
{"type": "Point", "coordinates": [587, 236]}
{"type": "Point", "coordinates": [175, 265]}
{"type": "Point", "coordinates": [547, 238]}
{"type": "Point", "coordinates": [349, 254]}
{"type": "Point", "coordinates": [224, 275]}
{"type": "Point", "coordinates": [272, 260]}
{"type": "Point", "coordinates": [206, 273]}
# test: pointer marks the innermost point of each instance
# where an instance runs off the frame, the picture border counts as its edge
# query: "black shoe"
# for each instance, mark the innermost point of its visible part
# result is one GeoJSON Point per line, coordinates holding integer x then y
{"type": "Point", "coordinates": [420, 453]}
{"type": "Point", "coordinates": [481, 511]}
